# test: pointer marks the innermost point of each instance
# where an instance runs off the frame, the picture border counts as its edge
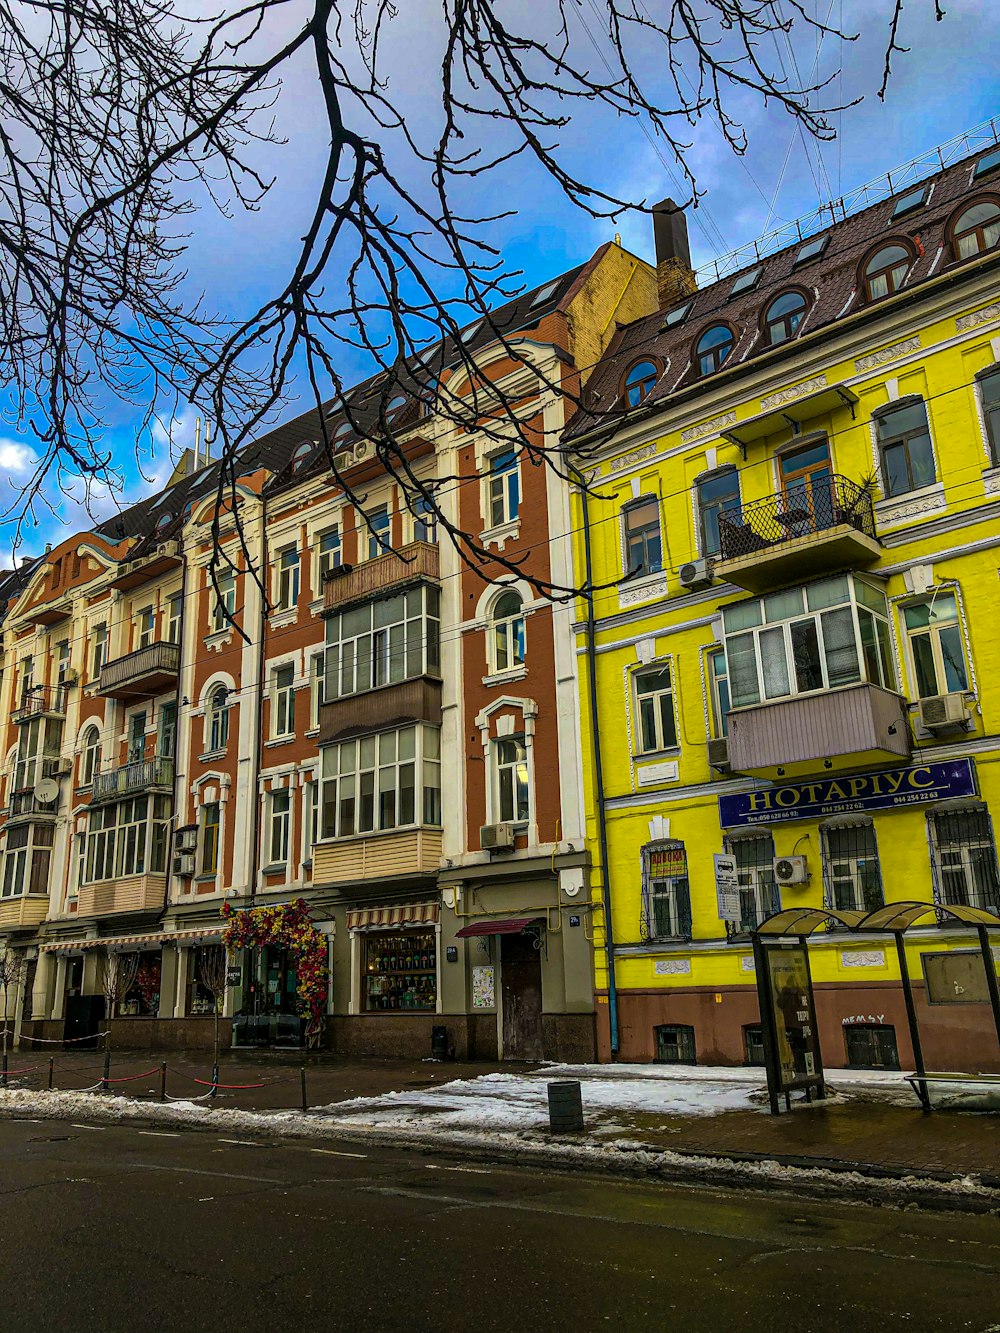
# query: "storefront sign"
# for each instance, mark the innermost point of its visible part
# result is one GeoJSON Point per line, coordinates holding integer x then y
{"type": "Point", "coordinates": [234, 975]}
{"type": "Point", "coordinates": [894, 788]}
{"type": "Point", "coordinates": [727, 887]}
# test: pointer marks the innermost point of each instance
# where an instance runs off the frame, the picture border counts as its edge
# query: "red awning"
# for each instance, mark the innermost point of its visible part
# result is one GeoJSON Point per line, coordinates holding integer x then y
{"type": "Point", "coordinates": [510, 925]}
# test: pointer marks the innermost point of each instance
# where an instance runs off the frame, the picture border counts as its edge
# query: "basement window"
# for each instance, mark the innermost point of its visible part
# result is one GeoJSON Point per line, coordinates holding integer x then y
{"type": "Point", "coordinates": [675, 1044]}
{"type": "Point", "coordinates": [871, 1046]}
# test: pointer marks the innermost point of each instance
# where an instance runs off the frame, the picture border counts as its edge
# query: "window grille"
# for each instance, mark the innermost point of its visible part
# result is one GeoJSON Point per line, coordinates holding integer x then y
{"type": "Point", "coordinates": [759, 896]}
{"type": "Point", "coordinates": [965, 859]}
{"type": "Point", "coordinates": [675, 1044]}
{"type": "Point", "coordinates": [871, 1046]}
{"type": "Point", "coordinates": [753, 1044]}
{"type": "Point", "coordinates": [666, 897]}
{"type": "Point", "coordinates": [851, 870]}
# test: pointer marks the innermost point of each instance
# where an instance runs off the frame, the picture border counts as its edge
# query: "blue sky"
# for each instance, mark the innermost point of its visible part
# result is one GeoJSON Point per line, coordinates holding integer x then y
{"type": "Point", "coordinates": [945, 85]}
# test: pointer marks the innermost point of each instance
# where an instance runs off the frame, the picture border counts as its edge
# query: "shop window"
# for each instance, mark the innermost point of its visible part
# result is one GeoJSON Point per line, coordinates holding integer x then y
{"type": "Point", "coordinates": [934, 637]}
{"type": "Point", "coordinates": [989, 397]}
{"type": "Point", "coordinates": [904, 443]}
{"type": "Point", "coordinates": [965, 858]}
{"type": "Point", "coordinates": [90, 756]}
{"type": "Point", "coordinates": [330, 553]}
{"type": "Point", "coordinates": [654, 705]}
{"type": "Point", "coordinates": [143, 997]}
{"type": "Point", "coordinates": [511, 788]}
{"type": "Point", "coordinates": [719, 493]}
{"type": "Point", "coordinates": [976, 230]}
{"type": "Point", "coordinates": [279, 809]}
{"type": "Point", "coordinates": [713, 349]}
{"type": "Point", "coordinates": [383, 642]}
{"type": "Point", "coordinates": [223, 594]}
{"type": "Point", "coordinates": [871, 1046]}
{"type": "Point", "coordinates": [400, 971]}
{"type": "Point", "coordinates": [283, 702]}
{"type": "Point", "coordinates": [719, 685]}
{"type": "Point", "coordinates": [376, 783]}
{"type": "Point", "coordinates": [99, 648]}
{"type": "Point", "coordinates": [666, 897]}
{"type": "Point", "coordinates": [753, 1044]}
{"type": "Point", "coordinates": [145, 627]}
{"type": "Point", "coordinates": [759, 896]}
{"type": "Point", "coordinates": [503, 488]}
{"type": "Point", "coordinates": [675, 1044]}
{"type": "Point", "coordinates": [288, 577]}
{"type": "Point", "coordinates": [641, 531]}
{"type": "Point", "coordinates": [218, 719]}
{"type": "Point", "coordinates": [886, 271]}
{"type": "Point", "coordinates": [208, 963]}
{"type": "Point", "coordinates": [640, 382]}
{"type": "Point", "coordinates": [507, 632]}
{"type": "Point", "coordinates": [210, 838]}
{"type": "Point", "coordinates": [801, 640]}
{"type": "Point", "coordinates": [851, 867]}
{"type": "Point", "coordinates": [783, 317]}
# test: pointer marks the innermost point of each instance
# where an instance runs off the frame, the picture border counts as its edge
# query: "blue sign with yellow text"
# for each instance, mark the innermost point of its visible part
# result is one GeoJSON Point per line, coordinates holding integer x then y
{"type": "Point", "coordinates": [894, 788]}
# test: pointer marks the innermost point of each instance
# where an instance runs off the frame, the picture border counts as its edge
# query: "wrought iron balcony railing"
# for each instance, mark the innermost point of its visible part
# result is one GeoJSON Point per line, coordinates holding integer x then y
{"type": "Point", "coordinates": [40, 701]}
{"type": "Point", "coordinates": [24, 803]}
{"type": "Point", "coordinates": [144, 672]}
{"type": "Point", "coordinates": [806, 510]}
{"type": "Point", "coordinates": [131, 779]}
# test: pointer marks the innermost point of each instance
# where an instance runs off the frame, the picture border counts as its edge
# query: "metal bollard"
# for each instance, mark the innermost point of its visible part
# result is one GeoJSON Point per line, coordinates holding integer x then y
{"type": "Point", "coordinates": [105, 1081]}
{"type": "Point", "coordinates": [52, 1072]}
{"type": "Point", "coordinates": [565, 1106]}
{"type": "Point", "coordinates": [305, 1098]}
{"type": "Point", "coordinates": [163, 1081]}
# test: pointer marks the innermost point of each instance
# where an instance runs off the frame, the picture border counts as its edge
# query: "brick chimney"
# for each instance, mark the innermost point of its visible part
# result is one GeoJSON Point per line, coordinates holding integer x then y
{"type": "Point", "coordinates": [674, 275]}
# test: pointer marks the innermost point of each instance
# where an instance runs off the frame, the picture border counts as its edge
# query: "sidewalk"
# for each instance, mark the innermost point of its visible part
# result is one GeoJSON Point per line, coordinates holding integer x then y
{"type": "Point", "coordinates": [872, 1125]}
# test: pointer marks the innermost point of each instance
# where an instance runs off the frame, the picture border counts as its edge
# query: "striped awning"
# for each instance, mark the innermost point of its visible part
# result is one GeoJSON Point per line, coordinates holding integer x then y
{"type": "Point", "coordinates": [377, 918]}
{"type": "Point", "coordinates": [134, 942]}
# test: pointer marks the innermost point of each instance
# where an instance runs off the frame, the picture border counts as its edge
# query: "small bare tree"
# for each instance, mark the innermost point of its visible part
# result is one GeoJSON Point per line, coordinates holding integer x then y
{"type": "Point", "coordinates": [211, 969]}
{"type": "Point", "coordinates": [12, 967]}
{"type": "Point", "coordinates": [118, 976]}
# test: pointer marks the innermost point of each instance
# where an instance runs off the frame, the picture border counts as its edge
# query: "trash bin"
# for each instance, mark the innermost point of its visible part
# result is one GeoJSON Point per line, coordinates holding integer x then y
{"type": "Point", "coordinates": [439, 1042]}
{"type": "Point", "coordinates": [565, 1106]}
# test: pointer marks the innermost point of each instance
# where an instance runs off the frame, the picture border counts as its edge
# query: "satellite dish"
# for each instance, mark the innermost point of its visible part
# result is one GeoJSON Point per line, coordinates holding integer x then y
{"type": "Point", "coordinates": [46, 791]}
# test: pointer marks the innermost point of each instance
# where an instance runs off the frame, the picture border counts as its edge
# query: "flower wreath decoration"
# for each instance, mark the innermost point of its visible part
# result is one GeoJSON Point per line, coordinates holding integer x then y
{"type": "Point", "coordinates": [288, 926]}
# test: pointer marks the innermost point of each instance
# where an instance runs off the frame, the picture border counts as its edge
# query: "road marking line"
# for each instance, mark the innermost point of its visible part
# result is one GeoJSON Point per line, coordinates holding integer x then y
{"type": "Point", "coordinates": [97, 1128]}
{"type": "Point", "coordinates": [332, 1152]}
{"type": "Point", "coordinates": [200, 1171]}
{"type": "Point", "coordinates": [24, 1120]}
{"type": "Point", "coordinates": [158, 1134]}
{"type": "Point", "coordinates": [243, 1143]}
{"type": "Point", "coordinates": [466, 1170]}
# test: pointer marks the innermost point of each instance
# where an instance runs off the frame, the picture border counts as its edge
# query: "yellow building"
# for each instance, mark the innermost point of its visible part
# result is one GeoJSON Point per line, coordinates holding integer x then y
{"type": "Point", "coordinates": [792, 525]}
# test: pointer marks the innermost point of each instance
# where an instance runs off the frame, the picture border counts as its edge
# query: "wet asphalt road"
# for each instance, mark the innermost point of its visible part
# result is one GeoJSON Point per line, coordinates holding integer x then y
{"type": "Point", "coordinates": [128, 1228]}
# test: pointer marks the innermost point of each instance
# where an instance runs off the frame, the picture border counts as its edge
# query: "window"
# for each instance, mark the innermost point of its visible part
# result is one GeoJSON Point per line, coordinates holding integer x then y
{"type": "Point", "coordinates": [137, 737]}
{"type": "Point", "coordinates": [385, 781]}
{"type": "Point", "coordinates": [99, 641]}
{"type": "Point", "coordinates": [811, 250]}
{"type": "Point", "coordinates": [871, 1046]}
{"type": "Point", "coordinates": [218, 719]}
{"type": "Point", "coordinates": [507, 633]}
{"type": "Point", "coordinates": [783, 317]}
{"type": "Point", "coordinates": [966, 858]}
{"type": "Point", "coordinates": [15, 861]}
{"type": "Point", "coordinates": [504, 488]}
{"type": "Point", "coordinates": [905, 447]}
{"type": "Point", "coordinates": [62, 661]}
{"type": "Point", "coordinates": [989, 391]}
{"type": "Point", "coordinates": [759, 896]}
{"type": "Point", "coordinates": [283, 705]}
{"type": "Point", "coordinates": [510, 776]}
{"type": "Point", "coordinates": [753, 1044]}
{"type": "Point", "coordinates": [640, 382]}
{"type": "Point", "coordinates": [976, 230]}
{"type": "Point", "coordinates": [27, 677]}
{"type": "Point", "coordinates": [675, 1044]}
{"type": "Point", "coordinates": [934, 635]}
{"type": "Point", "coordinates": [717, 493]}
{"type": "Point", "coordinates": [666, 899]}
{"type": "Point", "coordinates": [145, 627]}
{"type": "Point", "coordinates": [800, 640]}
{"type": "Point", "coordinates": [851, 868]}
{"type": "Point", "coordinates": [288, 578]}
{"type": "Point", "coordinates": [988, 162]}
{"type": "Point", "coordinates": [129, 838]}
{"type": "Point", "coordinates": [654, 705]}
{"type": "Point", "coordinates": [886, 271]}
{"type": "Point", "coordinates": [223, 594]}
{"type": "Point", "coordinates": [378, 533]}
{"type": "Point", "coordinates": [713, 348]}
{"type": "Point", "coordinates": [166, 731]}
{"type": "Point", "coordinates": [677, 316]}
{"type": "Point", "coordinates": [545, 293]}
{"type": "Point", "coordinates": [26, 861]}
{"type": "Point", "coordinates": [424, 520]}
{"type": "Point", "coordinates": [300, 455]}
{"type": "Point", "coordinates": [174, 606]}
{"type": "Point", "coordinates": [279, 814]}
{"type": "Point", "coordinates": [383, 642]}
{"type": "Point", "coordinates": [643, 545]}
{"type": "Point", "coordinates": [906, 203]}
{"type": "Point", "coordinates": [316, 680]}
{"type": "Point", "coordinates": [209, 838]}
{"type": "Point", "coordinates": [719, 683]}
{"type": "Point", "coordinates": [330, 552]}
{"type": "Point", "coordinates": [90, 760]}
{"type": "Point", "coordinates": [746, 281]}
{"type": "Point", "coordinates": [310, 818]}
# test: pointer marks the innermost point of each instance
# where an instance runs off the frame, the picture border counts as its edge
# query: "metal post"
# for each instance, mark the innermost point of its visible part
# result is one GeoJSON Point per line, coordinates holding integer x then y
{"type": "Point", "coordinates": [766, 1022]}
{"type": "Point", "coordinates": [991, 975]}
{"type": "Point", "coordinates": [5, 1052]}
{"type": "Point", "coordinates": [305, 1098]}
{"type": "Point", "coordinates": [105, 1081]}
{"type": "Point", "coordinates": [911, 1018]}
{"type": "Point", "coordinates": [215, 1080]}
{"type": "Point", "coordinates": [52, 1071]}
{"type": "Point", "coordinates": [163, 1081]}
{"type": "Point", "coordinates": [821, 1087]}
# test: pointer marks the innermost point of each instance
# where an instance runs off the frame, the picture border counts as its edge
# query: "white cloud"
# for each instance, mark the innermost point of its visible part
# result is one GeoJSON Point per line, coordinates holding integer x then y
{"type": "Point", "coordinates": [15, 457]}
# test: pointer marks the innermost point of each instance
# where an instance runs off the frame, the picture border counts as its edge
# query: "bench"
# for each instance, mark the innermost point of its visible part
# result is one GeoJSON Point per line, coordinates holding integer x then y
{"type": "Point", "coordinates": [956, 1092]}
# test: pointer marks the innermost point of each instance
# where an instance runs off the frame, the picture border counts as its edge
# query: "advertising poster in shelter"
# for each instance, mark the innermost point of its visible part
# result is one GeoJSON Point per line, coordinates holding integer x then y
{"type": "Point", "coordinates": [793, 1018]}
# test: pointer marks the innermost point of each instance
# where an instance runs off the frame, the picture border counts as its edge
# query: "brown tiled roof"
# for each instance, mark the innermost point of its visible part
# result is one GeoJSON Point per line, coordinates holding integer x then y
{"type": "Point", "coordinates": [829, 280]}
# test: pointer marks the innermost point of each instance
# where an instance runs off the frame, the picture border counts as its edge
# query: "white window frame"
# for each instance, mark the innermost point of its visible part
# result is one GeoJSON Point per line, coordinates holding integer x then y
{"type": "Point", "coordinates": [288, 577]}
{"type": "Point", "coordinates": [282, 701]}
{"type": "Point", "coordinates": [217, 720]}
{"type": "Point", "coordinates": [356, 772]}
{"type": "Point", "coordinates": [279, 825]}
{"type": "Point", "coordinates": [507, 636]}
{"type": "Point", "coordinates": [99, 647]}
{"type": "Point", "coordinates": [503, 488]}
{"type": "Point", "coordinates": [175, 608]}
{"type": "Point", "coordinates": [498, 769]}
{"type": "Point", "coordinates": [378, 544]}
{"type": "Point", "coordinates": [663, 742]}
{"type": "Point", "coordinates": [317, 681]}
{"type": "Point", "coordinates": [90, 755]}
{"type": "Point", "coordinates": [933, 632]}
{"type": "Point", "coordinates": [331, 557]}
{"type": "Point", "coordinates": [145, 633]}
{"type": "Point", "coordinates": [643, 571]}
{"type": "Point", "coordinates": [423, 516]}
{"type": "Point", "coordinates": [222, 602]}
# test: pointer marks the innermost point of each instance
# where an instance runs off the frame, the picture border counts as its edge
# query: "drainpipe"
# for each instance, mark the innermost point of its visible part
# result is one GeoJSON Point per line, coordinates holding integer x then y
{"type": "Point", "coordinates": [255, 794]}
{"type": "Point", "coordinates": [602, 816]}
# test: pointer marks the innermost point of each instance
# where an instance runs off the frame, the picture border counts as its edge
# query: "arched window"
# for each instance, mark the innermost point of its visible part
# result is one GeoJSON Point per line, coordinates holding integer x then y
{"type": "Point", "coordinates": [301, 454]}
{"type": "Point", "coordinates": [639, 382]}
{"type": "Point", "coordinates": [507, 632]}
{"type": "Point", "coordinates": [218, 718]}
{"type": "Point", "coordinates": [976, 230]}
{"type": "Point", "coordinates": [886, 271]}
{"type": "Point", "coordinates": [395, 403]}
{"type": "Point", "coordinates": [90, 756]}
{"type": "Point", "coordinates": [783, 317]}
{"type": "Point", "coordinates": [713, 348]}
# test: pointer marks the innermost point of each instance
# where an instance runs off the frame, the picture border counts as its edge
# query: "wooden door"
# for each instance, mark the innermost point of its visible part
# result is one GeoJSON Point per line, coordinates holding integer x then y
{"type": "Point", "coordinates": [806, 486]}
{"type": "Point", "coordinates": [521, 997]}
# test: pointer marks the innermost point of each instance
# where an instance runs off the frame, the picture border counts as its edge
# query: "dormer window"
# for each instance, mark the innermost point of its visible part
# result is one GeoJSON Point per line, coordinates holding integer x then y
{"type": "Point", "coordinates": [301, 454]}
{"type": "Point", "coordinates": [639, 382]}
{"type": "Point", "coordinates": [714, 347]}
{"type": "Point", "coordinates": [976, 230]}
{"type": "Point", "coordinates": [988, 162]}
{"type": "Point", "coordinates": [677, 315]}
{"type": "Point", "coordinates": [746, 280]}
{"type": "Point", "coordinates": [907, 203]}
{"type": "Point", "coordinates": [811, 250]}
{"type": "Point", "coordinates": [783, 317]}
{"type": "Point", "coordinates": [886, 271]}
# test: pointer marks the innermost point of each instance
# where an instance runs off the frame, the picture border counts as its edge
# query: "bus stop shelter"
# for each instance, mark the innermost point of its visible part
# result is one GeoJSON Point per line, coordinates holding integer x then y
{"type": "Point", "coordinates": [784, 984]}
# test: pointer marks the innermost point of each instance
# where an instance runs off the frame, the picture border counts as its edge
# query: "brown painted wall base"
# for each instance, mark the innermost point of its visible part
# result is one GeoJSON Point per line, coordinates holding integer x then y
{"type": "Point", "coordinates": [565, 1037]}
{"type": "Point", "coordinates": [960, 1038]}
{"type": "Point", "coordinates": [142, 1034]}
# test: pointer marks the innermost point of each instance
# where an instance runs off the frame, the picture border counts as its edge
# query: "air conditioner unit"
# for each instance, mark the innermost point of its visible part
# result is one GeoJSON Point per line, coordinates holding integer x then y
{"type": "Point", "coordinates": [696, 574]}
{"type": "Point", "coordinates": [186, 838]}
{"type": "Point", "coordinates": [497, 837]}
{"type": "Point", "coordinates": [71, 676]}
{"type": "Point", "coordinates": [184, 865]}
{"type": "Point", "coordinates": [791, 870]}
{"type": "Point", "coordinates": [168, 548]}
{"type": "Point", "coordinates": [944, 710]}
{"type": "Point", "coordinates": [718, 754]}
{"type": "Point", "coordinates": [62, 768]}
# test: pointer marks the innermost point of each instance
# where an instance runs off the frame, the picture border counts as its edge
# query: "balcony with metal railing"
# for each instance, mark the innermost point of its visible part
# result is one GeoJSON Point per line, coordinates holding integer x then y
{"type": "Point", "coordinates": [809, 529]}
{"type": "Point", "coordinates": [40, 701]}
{"type": "Point", "coordinates": [141, 674]}
{"type": "Point", "coordinates": [26, 805]}
{"type": "Point", "coordinates": [412, 563]}
{"type": "Point", "coordinates": [141, 775]}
